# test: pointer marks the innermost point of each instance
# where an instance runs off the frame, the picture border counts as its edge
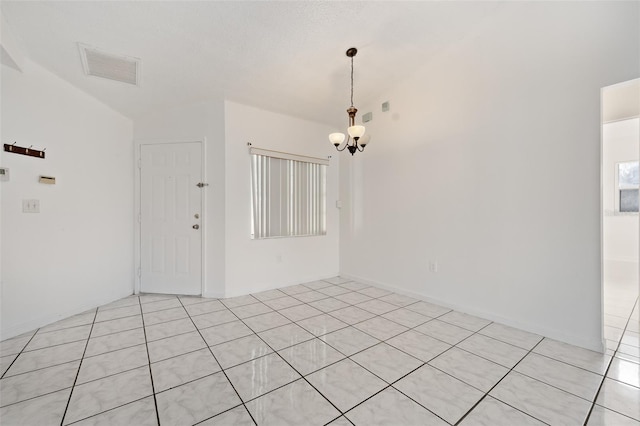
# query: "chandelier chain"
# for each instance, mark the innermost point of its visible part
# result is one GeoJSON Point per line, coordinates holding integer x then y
{"type": "Point", "coordinates": [352, 81]}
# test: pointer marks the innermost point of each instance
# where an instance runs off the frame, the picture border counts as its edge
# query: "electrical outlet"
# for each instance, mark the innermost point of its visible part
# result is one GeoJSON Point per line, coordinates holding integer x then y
{"type": "Point", "coordinates": [30, 206]}
{"type": "Point", "coordinates": [433, 266]}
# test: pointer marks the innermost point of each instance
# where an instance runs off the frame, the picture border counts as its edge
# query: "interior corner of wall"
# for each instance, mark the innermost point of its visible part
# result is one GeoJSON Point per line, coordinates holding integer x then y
{"type": "Point", "coordinates": [12, 56]}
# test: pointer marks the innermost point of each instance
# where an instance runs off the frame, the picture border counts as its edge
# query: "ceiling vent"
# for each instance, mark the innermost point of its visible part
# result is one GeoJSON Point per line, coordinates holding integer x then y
{"type": "Point", "coordinates": [106, 65]}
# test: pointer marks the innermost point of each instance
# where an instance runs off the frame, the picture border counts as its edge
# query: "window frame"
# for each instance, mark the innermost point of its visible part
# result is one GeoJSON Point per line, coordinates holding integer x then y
{"type": "Point", "coordinates": [295, 172]}
{"type": "Point", "coordinates": [617, 190]}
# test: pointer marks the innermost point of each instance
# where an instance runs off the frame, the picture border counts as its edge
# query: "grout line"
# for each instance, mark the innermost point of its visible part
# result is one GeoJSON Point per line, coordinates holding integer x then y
{"type": "Point", "coordinates": [604, 377]}
{"type": "Point", "coordinates": [86, 345]}
{"type": "Point", "coordinates": [146, 344]}
{"type": "Point", "coordinates": [114, 332]}
{"type": "Point", "coordinates": [318, 337]}
{"type": "Point", "coordinates": [195, 380]}
{"type": "Point", "coordinates": [42, 368]}
{"type": "Point", "coordinates": [342, 416]}
{"type": "Point", "coordinates": [223, 412]}
{"type": "Point", "coordinates": [291, 366]}
{"type": "Point", "coordinates": [110, 409]}
{"type": "Point", "coordinates": [374, 316]}
{"type": "Point", "coordinates": [221, 369]}
{"type": "Point", "coordinates": [35, 397]}
{"type": "Point", "coordinates": [19, 353]}
{"type": "Point", "coordinates": [348, 357]}
{"type": "Point", "coordinates": [496, 384]}
{"type": "Point", "coordinates": [612, 410]}
{"type": "Point", "coordinates": [426, 363]}
{"type": "Point", "coordinates": [104, 308]}
{"type": "Point", "coordinates": [569, 364]}
{"type": "Point", "coordinates": [112, 374]}
{"type": "Point", "coordinates": [613, 379]}
{"type": "Point", "coordinates": [390, 385]}
{"type": "Point", "coordinates": [44, 332]}
{"type": "Point", "coordinates": [56, 345]}
{"type": "Point", "coordinates": [118, 318]}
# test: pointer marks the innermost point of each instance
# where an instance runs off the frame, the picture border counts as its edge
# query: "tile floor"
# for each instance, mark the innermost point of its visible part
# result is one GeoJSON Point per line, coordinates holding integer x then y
{"type": "Point", "coordinates": [328, 352]}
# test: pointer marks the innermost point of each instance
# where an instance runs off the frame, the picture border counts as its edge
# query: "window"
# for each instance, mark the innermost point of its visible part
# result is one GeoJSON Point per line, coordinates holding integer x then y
{"type": "Point", "coordinates": [288, 195]}
{"type": "Point", "coordinates": [627, 185]}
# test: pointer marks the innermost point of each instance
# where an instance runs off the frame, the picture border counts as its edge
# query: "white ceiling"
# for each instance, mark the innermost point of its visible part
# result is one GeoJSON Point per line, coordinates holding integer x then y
{"type": "Point", "coordinates": [282, 56]}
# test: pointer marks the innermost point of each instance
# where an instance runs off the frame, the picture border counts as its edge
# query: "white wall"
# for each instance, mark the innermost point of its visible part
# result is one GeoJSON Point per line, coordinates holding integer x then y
{"type": "Point", "coordinates": [77, 252]}
{"type": "Point", "coordinates": [255, 265]}
{"type": "Point", "coordinates": [489, 164]}
{"type": "Point", "coordinates": [235, 264]}
{"type": "Point", "coordinates": [187, 123]}
{"type": "Point", "coordinates": [621, 141]}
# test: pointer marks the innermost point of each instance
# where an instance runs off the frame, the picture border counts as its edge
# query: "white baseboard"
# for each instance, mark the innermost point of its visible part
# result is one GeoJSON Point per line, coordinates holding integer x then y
{"type": "Point", "coordinates": [277, 285]}
{"type": "Point", "coordinates": [213, 295]}
{"type": "Point", "coordinates": [17, 329]}
{"type": "Point", "coordinates": [594, 345]}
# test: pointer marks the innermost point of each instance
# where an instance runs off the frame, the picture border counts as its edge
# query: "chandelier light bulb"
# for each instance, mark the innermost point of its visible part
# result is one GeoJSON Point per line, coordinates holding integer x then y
{"type": "Point", "coordinates": [336, 138]}
{"type": "Point", "coordinates": [356, 131]}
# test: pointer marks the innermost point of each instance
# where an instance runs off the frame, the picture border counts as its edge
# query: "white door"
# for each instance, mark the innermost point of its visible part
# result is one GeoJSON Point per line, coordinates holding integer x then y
{"type": "Point", "coordinates": [170, 218]}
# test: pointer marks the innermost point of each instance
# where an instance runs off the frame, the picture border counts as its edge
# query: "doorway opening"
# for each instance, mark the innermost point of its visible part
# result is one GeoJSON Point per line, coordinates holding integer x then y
{"type": "Point", "coordinates": [620, 219]}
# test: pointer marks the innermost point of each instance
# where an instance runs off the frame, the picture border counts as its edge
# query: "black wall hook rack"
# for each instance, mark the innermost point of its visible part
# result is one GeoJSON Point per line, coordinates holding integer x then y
{"type": "Point", "coordinates": [24, 151]}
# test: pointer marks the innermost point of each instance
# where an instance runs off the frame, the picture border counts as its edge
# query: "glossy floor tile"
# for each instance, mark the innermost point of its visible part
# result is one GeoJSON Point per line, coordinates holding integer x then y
{"type": "Point", "coordinates": [297, 403]}
{"type": "Point", "coordinates": [346, 384]}
{"type": "Point", "coordinates": [391, 407]}
{"type": "Point", "coordinates": [542, 401]}
{"type": "Point", "coordinates": [196, 401]}
{"type": "Point", "coordinates": [329, 352]}
{"type": "Point", "coordinates": [444, 395]}
{"type": "Point", "coordinates": [310, 356]}
{"type": "Point", "coordinates": [491, 412]}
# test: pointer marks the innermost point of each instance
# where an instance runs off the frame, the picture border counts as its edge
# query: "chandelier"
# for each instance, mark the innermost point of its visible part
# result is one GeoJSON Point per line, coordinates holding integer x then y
{"type": "Point", "coordinates": [356, 139]}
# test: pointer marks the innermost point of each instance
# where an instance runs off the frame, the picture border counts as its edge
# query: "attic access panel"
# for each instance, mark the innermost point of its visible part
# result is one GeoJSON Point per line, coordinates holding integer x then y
{"type": "Point", "coordinates": [98, 63]}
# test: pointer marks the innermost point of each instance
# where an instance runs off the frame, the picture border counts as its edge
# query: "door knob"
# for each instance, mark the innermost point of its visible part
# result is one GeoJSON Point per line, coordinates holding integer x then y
{"type": "Point", "coordinates": [196, 226]}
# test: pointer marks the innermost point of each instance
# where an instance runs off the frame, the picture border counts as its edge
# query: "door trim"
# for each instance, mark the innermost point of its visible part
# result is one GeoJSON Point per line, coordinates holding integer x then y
{"type": "Point", "coordinates": [137, 146]}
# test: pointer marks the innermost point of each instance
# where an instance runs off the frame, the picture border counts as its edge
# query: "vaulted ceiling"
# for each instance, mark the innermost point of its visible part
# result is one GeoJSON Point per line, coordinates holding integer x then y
{"type": "Point", "coordinates": [282, 56]}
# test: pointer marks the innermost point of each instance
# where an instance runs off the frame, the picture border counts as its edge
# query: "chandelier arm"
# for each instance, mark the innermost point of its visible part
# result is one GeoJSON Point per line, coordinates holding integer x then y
{"type": "Point", "coordinates": [345, 145]}
{"type": "Point", "coordinates": [360, 148]}
{"type": "Point", "coordinates": [343, 148]}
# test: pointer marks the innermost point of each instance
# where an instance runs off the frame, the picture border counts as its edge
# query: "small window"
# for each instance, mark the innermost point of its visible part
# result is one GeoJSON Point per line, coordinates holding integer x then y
{"type": "Point", "coordinates": [627, 183]}
{"type": "Point", "coordinates": [288, 195]}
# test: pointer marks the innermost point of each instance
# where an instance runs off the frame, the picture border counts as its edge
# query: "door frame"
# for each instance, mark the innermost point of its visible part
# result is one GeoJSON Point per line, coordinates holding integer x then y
{"type": "Point", "coordinates": [602, 172]}
{"type": "Point", "coordinates": [137, 249]}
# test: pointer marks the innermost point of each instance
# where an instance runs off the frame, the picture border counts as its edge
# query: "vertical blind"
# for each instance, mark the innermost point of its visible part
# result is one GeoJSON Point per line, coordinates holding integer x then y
{"type": "Point", "coordinates": [288, 196]}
